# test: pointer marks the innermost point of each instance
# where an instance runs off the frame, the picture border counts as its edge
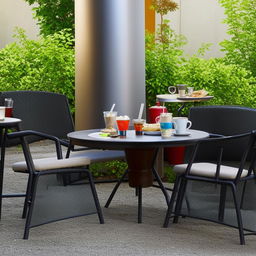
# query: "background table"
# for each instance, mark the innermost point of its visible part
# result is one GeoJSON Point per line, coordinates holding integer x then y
{"type": "Point", "coordinates": [173, 98]}
{"type": "Point", "coordinates": [6, 124]}
{"type": "Point", "coordinates": [140, 151]}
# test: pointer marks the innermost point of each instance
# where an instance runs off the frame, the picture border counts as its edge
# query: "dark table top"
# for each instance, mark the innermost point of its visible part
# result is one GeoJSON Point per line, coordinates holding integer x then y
{"type": "Point", "coordinates": [91, 138]}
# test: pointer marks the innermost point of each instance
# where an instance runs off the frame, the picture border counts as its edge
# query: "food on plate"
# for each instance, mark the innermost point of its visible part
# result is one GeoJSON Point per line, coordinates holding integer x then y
{"type": "Point", "coordinates": [110, 130]}
{"type": "Point", "coordinates": [151, 127]}
{"type": "Point", "coordinates": [199, 93]}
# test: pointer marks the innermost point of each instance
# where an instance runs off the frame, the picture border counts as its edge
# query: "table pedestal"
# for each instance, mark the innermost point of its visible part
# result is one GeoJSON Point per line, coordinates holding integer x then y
{"type": "Point", "coordinates": [140, 163]}
{"type": "Point", "coordinates": [140, 172]}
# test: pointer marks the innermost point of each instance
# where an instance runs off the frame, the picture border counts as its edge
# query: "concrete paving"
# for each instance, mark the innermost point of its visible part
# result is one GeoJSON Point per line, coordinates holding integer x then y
{"type": "Point", "coordinates": [120, 235]}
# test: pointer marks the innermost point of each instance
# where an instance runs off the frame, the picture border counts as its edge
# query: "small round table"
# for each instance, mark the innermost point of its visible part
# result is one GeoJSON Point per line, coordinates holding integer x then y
{"type": "Point", "coordinates": [174, 98]}
{"type": "Point", "coordinates": [140, 151]}
{"type": "Point", "coordinates": [5, 124]}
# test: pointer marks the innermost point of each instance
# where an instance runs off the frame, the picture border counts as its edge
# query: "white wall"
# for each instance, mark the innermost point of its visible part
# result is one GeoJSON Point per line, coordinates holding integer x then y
{"type": "Point", "coordinates": [201, 22]}
{"type": "Point", "coordinates": [15, 13]}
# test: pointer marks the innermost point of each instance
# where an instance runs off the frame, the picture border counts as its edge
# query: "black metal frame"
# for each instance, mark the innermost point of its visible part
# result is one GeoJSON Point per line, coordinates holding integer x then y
{"type": "Point", "coordinates": [181, 182]}
{"type": "Point", "coordinates": [138, 190]}
{"type": "Point", "coordinates": [3, 136]}
{"type": "Point", "coordinates": [34, 176]}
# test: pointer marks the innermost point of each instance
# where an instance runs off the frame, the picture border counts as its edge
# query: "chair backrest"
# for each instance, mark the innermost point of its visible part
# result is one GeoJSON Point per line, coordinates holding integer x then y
{"type": "Point", "coordinates": [224, 120]}
{"type": "Point", "coordinates": [41, 111]}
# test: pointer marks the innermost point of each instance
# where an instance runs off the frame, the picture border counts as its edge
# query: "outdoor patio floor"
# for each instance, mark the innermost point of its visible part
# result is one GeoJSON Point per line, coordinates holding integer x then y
{"type": "Point", "coordinates": [120, 235]}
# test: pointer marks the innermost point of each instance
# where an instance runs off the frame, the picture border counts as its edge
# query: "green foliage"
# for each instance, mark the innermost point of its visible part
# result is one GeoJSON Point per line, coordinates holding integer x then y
{"type": "Point", "coordinates": [230, 84]}
{"type": "Point", "coordinates": [162, 63]}
{"type": "Point", "coordinates": [113, 169]}
{"type": "Point", "coordinates": [54, 15]}
{"type": "Point", "coordinates": [45, 65]}
{"type": "Point", "coordinates": [241, 20]}
{"type": "Point", "coordinates": [169, 174]}
{"type": "Point", "coordinates": [227, 81]}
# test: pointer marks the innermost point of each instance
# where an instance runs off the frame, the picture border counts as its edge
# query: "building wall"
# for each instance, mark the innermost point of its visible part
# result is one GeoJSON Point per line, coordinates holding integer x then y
{"type": "Point", "coordinates": [15, 13]}
{"type": "Point", "coordinates": [201, 22]}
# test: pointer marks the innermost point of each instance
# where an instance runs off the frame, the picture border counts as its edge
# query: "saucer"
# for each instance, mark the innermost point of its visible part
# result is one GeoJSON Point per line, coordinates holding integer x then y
{"type": "Point", "coordinates": [181, 134]}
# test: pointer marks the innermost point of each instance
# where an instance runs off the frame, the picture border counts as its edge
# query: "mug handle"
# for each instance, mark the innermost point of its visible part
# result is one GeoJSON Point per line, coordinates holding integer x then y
{"type": "Point", "coordinates": [157, 119]}
{"type": "Point", "coordinates": [189, 123]}
{"type": "Point", "coordinates": [171, 89]}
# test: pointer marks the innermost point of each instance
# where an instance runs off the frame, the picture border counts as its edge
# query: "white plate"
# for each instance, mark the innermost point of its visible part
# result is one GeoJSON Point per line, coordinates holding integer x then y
{"type": "Point", "coordinates": [168, 96]}
{"type": "Point", "coordinates": [153, 133]}
{"type": "Point", "coordinates": [181, 134]}
{"type": "Point", "coordinates": [195, 98]}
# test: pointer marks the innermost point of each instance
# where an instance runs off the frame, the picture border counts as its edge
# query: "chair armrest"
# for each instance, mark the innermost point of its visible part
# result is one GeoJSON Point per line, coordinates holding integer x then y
{"type": "Point", "coordinates": [22, 134]}
{"type": "Point", "coordinates": [220, 142]}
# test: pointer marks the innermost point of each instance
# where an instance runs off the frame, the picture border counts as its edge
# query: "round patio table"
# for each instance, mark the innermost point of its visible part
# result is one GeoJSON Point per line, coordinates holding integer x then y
{"type": "Point", "coordinates": [140, 151]}
{"type": "Point", "coordinates": [174, 98]}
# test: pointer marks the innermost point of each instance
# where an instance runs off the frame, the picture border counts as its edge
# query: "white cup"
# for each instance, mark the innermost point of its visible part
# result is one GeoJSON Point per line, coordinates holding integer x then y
{"type": "Point", "coordinates": [181, 124]}
{"type": "Point", "coordinates": [165, 120]}
{"type": "Point", "coordinates": [190, 91]}
{"type": "Point", "coordinates": [2, 113]}
{"type": "Point", "coordinates": [182, 92]}
{"type": "Point", "coordinates": [171, 89]}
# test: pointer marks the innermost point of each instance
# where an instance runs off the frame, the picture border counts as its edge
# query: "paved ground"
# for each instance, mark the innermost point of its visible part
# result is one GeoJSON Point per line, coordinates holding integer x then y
{"type": "Point", "coordinates": [120, 235]}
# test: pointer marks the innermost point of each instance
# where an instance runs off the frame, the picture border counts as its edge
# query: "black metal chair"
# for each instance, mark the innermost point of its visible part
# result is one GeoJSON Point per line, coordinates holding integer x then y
{"type": "Point", "coordinates": [49, 197]}
{"type": "Point", "coordinates": [216, 192]}
{"type": "Point", "coordinates": [49, 113]}
{"type": "Point", "coordinates": [222, 120]}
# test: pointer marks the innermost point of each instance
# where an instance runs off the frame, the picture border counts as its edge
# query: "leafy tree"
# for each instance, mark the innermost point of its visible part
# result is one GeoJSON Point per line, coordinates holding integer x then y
{"type": "Point", "coordinates": [163, 53]}
{"type": "Point", "coordinates": [167, 65]}
{"type": "Point", "coordinates": [241, 20]}
{"type": "Point", "coordinates": [54, 15]}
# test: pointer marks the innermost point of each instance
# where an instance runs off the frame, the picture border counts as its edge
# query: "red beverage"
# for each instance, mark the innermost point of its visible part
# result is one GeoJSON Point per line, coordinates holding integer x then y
{"type": "Point", "coordinates": [123, 125]}
{"type": "Point", "coordinates": [8, 111]}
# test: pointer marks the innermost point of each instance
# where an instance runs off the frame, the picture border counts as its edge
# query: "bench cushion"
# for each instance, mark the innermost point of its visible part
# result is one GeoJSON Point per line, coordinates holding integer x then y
{"type": "Point", "coordinates": [52, 163]}
{"type": "Point", "coordinates": [208, 170]}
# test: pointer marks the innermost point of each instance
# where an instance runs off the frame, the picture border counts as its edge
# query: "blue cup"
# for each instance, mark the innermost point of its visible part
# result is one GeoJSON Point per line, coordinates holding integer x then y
{"type": "Point", "coordinates": [166, 129]}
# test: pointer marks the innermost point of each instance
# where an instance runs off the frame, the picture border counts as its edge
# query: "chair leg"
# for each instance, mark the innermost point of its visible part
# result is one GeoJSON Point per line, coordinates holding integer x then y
{"type": "Point", "coordinates": [223, 192]}
{"type": "Point", "coordinates": [158, 179]}
{"type": "Point", "coordinates": [34, 180]}
{"type": "Point", "coordinates": [171, 203]}
{"type": "Point", "coordinates": [181, 194]}
{"type": "Point", "coordinates": [96, 199]}
{"type": "Point", "coordinates": [27, 198]}
{"type": "Point", "coordinates": [238, 215]}
{"type": "Point", "coordinates": [115, 189]}
{"type": "Point", "coordinates": [139, 189]}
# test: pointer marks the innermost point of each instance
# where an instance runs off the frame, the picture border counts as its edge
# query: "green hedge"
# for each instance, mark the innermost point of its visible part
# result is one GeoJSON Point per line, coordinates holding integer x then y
{"type": "Point", "coordinates": [166, 65]}
{"type": "Point", "coordinates": [47, 64]}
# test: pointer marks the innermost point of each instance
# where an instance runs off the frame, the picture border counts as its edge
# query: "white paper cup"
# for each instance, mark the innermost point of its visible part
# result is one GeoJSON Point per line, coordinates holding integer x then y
{"type": "Point", "coordinates": [2, 113]}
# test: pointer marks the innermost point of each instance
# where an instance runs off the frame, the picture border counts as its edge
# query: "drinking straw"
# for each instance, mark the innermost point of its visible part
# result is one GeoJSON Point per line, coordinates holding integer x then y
{"type": "Point", "coordinates": [141, 110]}
{"type": "Point", "coordinates": [163, 107]}
{"type": "Point", "coordinates": [112, 108]}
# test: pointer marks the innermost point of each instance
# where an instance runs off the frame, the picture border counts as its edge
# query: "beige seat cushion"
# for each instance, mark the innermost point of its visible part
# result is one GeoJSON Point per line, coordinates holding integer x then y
{"type": "Point", "coordinates": [52, 163]}
{"type": "Point", "coordinates": [209, 170]}
{"type": "Point", "coordinates": [99, 155]}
